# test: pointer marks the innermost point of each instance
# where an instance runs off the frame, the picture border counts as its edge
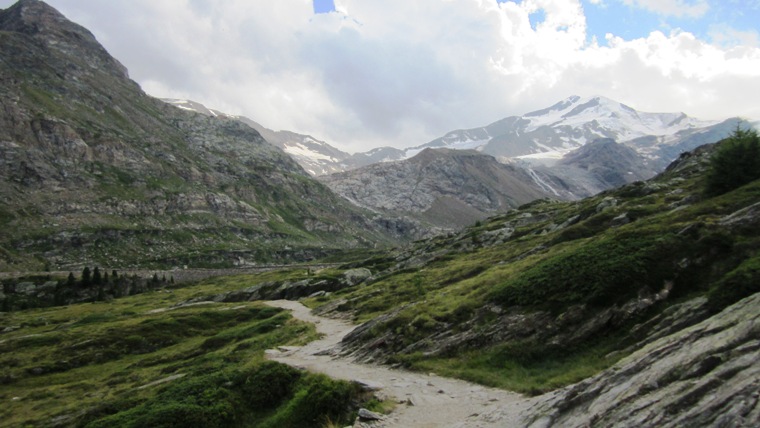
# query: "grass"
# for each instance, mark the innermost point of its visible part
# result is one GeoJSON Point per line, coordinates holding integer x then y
{"type": "Point", "coordinates": [466, 284]}
{"type": "Point", "coordinates": [136, 361]}
{"type": "Point", "coordinates": [530, 374]}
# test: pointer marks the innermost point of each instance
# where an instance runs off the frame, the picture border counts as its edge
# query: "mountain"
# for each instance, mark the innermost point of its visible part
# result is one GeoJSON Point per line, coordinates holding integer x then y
{"type": "Point", "coordinates": [635, 307]}
{"type": "Point", "coordinates": [444, 188]}
{"type": "Point", "coordinates": [316, 157]}
{"type": "Point", "coordinates": [635, 294]}
{"type": "Point", "coordinates": [580, 147]}
{"type": "Point", "coordinates": [548, 134]}
{"type": "Point", "coordinates": [594, 167]}
{"type": "Point", "coordinates": [96, 171]}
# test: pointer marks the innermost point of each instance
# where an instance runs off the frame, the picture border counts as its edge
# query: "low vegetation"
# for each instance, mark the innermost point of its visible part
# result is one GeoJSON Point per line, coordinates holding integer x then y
{"type": "Point", "coordinates": [530, 301]}
{"type": "Point", "coordinates": [528, 289]}
{"type": "Point", "coordinates": [142, 361]}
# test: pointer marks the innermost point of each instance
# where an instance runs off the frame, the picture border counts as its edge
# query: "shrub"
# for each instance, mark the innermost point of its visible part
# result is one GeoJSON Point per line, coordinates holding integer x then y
{"type": "Point", "coordinates": [736, 285]}
{"type": "Point", "coordinates": [598, 272]}
{"type": "Point", "coordinates": [735, 162]}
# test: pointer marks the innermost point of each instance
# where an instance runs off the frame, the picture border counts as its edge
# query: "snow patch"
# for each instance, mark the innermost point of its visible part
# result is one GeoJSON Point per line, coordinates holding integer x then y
{"type": "Point", "coordinates": [300, 150]}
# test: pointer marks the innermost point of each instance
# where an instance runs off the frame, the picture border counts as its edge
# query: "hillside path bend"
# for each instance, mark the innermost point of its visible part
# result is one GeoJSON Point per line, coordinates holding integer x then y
{"type": "Point", "coordinates": [425, 400]}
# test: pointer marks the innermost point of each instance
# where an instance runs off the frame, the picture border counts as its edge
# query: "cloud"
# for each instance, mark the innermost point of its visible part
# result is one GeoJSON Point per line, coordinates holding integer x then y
{"type": "Point", "coordinates": [725, 35]}
{"type": "Point", "coordinates": [402, 72]}
{"type": "Point", "coordinates": [677, 8]}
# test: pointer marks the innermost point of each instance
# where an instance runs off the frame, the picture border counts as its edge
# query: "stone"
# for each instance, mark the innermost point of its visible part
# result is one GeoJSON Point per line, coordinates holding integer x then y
{"type": "Point", "coordinates": [356, 276]}
{"type": "Point", "coordinates": [367, 415]}
{"type": "Point", "coordinates": [607, 203]}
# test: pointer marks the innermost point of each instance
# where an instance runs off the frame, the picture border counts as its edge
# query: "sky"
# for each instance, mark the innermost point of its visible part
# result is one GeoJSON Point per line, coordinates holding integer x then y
{"type": "Point", "coordinates": [361, 74]}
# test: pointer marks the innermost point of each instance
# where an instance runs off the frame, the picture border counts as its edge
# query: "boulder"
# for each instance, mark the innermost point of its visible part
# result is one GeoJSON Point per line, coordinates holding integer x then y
{"type": "Point", "coordinates": [356, 276]}
{"type": "Point", "coordinates": [367, 415]}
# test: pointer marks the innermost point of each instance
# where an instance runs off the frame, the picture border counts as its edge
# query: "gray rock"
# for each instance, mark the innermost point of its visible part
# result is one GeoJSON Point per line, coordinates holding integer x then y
{"type": "Point", "coordinates": [356, 276]}
{"type": "Point", "coordinates": [607, 203]}
{"type": "Point", "coordinates": [704, 375]}
{"type": "Point", "coordinates": [620, 220]}
{"type": "Point", "coordinates": [25, 288]}
{"type": "Point", "coordinates": [369, 416]}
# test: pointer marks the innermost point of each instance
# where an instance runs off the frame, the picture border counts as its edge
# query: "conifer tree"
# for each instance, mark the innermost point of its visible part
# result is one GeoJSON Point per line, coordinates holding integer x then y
{"type": "Point", "coordinates": [86, 280]}
{"type": "Point", "coordinates": [735, 162]}
{"type": "Point", "coordinates": [97, 279]}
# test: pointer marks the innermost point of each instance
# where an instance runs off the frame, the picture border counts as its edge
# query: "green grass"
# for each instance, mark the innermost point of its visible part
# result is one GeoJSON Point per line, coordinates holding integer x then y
{"type": "Point", "coordinates": [530, 374]}
{"type": "Point", "coordinates": [465, 284]}
{"type": "Point", "coordinates": [101, 364]}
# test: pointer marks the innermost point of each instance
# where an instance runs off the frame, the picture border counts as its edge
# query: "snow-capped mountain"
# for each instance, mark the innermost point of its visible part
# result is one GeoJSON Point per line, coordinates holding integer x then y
{"type": "Point", "coordinates": [547, 135]}
{"type": "Point", "coordinates": [542, 137]}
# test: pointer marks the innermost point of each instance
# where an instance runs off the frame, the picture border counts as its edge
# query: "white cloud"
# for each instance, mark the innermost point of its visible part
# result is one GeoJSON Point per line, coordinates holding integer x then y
{"type": "Point", "coordinates": [727, 36]}
{"type": "Point", "coordinates": [678, 8]}
{"type": "Point", "coordinates": [402, 72]}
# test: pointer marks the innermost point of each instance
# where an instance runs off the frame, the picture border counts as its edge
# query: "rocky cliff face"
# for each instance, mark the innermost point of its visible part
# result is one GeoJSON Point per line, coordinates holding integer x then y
{"type": "Point", "coordinates": [704, 375]}
{"type": "Point", "coordinates": [446, 188]}
{"type": "Point", "coordinates": [594, 167]}
{"type": "Point", "coordinates": [96, 171]}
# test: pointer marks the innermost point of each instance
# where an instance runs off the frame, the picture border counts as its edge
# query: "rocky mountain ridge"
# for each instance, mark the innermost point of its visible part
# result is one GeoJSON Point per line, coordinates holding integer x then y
{"type": "Point", "coordinates": [447, 189]}
{"type": "Point", "coordinates": [557, 146]}
{"type": "Point", "coordinates": [96, 171]}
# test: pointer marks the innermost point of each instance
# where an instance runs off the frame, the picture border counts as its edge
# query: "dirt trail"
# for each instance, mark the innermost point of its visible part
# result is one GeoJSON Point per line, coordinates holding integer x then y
{"type": "Point", "coordinates": [429, 401]}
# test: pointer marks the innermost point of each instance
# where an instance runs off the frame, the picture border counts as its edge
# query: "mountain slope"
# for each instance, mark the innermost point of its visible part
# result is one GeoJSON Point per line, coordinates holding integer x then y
{"type": "Point", "coordinates": [594, 167]}
{"type": "Point", "coordinates": [446, 188]}
{"type": "Point", "coordinates": [554, 292]}
{"type": "Point", "coordinates": [316, 157]}
{"type": "Point", "coordinates": [96, 171]}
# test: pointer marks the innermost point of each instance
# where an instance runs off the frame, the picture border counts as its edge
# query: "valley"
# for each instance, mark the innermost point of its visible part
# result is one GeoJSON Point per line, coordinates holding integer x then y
{"type": "Point", "coordinates": [166, 264]}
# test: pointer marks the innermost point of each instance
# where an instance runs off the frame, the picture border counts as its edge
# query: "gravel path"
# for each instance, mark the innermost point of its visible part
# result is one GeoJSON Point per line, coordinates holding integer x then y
{"type": "Point", "coordinates": [427, 401]}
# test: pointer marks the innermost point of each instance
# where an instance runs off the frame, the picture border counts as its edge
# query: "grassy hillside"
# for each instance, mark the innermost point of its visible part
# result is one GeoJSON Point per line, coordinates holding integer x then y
{"type": "Point", "coordinates": [141, 361]}
{"type": "Point", "coordinates": [553, 292]}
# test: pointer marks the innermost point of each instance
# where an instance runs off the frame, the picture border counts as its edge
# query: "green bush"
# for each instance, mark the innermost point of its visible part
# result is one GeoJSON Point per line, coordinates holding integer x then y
{"type": "Point", "coordinates": [597, 272]}
{"type": "Point", "coordinates": [269, 394]}
{"type": "Point", "coordinates": [736, 162]}
{"type": "Point", "coordinates": [736, 285]}
{"type": "Point", "coordinates": [270, 385]}
{"type": "Point", "coordinates": [200, 401]}
{"type": "Point", "coordinates": [317, 401]}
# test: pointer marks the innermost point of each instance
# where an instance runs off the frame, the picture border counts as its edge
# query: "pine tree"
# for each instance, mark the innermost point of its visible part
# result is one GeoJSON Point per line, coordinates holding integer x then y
{"type": "Point", "coordinates": [735, 162]}
{"type": "Point", "coordinates": [97, 279]}
{"type": "Point", "coordinates": [86, 280]}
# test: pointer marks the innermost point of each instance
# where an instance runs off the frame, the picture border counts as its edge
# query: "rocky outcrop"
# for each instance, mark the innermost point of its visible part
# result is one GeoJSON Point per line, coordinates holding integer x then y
{"type": "Point", "coordinates": [445, 188]}
{"type": "Point", "coordinates": [704, 375]}
{"type": "Point", "coordinates": [596, 166]}
{"type": "Point", "coordinates": [289, 290]}
{"type": "Point", "coordinates": [567, 329]}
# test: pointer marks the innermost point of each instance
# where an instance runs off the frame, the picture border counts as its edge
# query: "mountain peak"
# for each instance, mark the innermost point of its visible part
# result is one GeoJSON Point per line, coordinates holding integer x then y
{"type": "Point", "coordinates": [50, 28]}
{"type": "Point", "coordinates": [33, 17]}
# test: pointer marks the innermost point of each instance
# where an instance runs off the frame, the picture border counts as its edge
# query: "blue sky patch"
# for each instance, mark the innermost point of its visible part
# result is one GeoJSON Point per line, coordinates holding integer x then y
{"type": "Point", "coordinates": [324, 6]}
